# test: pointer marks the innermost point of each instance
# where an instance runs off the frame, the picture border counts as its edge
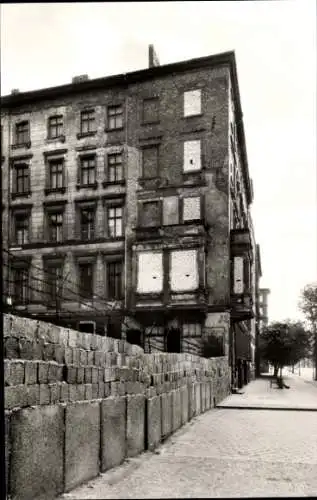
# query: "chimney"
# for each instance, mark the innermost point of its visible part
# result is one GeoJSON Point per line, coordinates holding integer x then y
{"type": "Point", "coordinates": [15, 91]}
{"type": "Point", "coordinates": [153, 58]}
{"type": "Point", "coordinates": [80, 78]}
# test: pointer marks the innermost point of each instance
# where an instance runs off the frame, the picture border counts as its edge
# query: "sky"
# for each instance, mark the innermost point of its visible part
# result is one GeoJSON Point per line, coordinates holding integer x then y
{"type": "Point", "coordinates": [44, 45]}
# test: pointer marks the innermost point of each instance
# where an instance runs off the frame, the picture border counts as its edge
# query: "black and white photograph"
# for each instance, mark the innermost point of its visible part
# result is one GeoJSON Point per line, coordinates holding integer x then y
{"type": "Point", "coordinates": [159, 250]}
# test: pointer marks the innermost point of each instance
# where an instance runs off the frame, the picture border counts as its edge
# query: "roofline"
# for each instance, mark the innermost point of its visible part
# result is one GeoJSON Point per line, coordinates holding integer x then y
{"type": "Point", "coordinates": [12, 101]}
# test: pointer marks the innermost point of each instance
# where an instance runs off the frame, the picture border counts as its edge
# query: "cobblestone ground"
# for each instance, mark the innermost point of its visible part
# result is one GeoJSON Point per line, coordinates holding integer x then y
{"type": "Point", "coordinates": [223, 453]}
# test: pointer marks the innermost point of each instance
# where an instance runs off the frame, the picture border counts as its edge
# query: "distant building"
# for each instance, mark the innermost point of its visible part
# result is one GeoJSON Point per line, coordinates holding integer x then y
{"type": "Point", "coordinates": [127, 208]}
{"type": "Point", "coordinates": [263, 306]}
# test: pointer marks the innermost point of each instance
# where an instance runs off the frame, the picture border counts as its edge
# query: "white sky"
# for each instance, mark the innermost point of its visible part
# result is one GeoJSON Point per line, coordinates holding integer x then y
{"type": "Point", "coordinates": [43, 45]}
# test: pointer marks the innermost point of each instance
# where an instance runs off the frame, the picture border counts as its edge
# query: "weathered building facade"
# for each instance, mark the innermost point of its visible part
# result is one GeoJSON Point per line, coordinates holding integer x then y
{"type": "Point", "coordinates": [126, 207]}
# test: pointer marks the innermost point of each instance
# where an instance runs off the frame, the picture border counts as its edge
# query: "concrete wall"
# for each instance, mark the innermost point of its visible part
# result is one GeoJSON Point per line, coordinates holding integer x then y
{"type": "Point", "coordinates": [77, 404]}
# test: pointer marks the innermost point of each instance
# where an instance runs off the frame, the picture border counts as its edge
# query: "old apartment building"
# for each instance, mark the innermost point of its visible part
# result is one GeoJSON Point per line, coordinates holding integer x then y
{"type": "Point", "coordinates": [126, 207]}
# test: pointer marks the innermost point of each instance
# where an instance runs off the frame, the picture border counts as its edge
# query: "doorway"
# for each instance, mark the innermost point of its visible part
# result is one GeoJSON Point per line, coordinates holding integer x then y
{"type": "Point", "coordinates": [173, 340]}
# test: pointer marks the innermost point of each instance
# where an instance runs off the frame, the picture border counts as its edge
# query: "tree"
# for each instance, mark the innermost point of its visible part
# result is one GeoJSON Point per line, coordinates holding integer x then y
{"type": "Point", "coordinates": [284, 343]}
{"type": "Point", "coordinates": [308, 305]}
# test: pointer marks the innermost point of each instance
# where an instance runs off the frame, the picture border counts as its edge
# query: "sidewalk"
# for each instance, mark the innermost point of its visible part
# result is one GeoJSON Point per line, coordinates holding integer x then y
{"type": "Point", "coordinates": [258, 394]}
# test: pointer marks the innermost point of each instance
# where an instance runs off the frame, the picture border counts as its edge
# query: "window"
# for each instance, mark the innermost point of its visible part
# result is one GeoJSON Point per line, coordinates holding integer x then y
{"type": "Point", "coordinates": [86, 279]}
{"type": "Point", "coordinates": [238, 284]}
{"type": "Point", "coordinates": [192, 156]}
{"type": "Point", "coordinates": [191, 208]}
{"type": "Point", "coordinates": [22, 133]}
{"type": "Point", "coordinates": [88, 170]}
{"type": "Point", "coordinates": [55, 226]}
{"type": "Point", "coordinates": [20, 285]}
{"type": "Point", "coordinates": [191, 330]}
{"type": "Point", "coordinates": [184, 270]}
{"type": "Point", "coordinates": [150, 162]}
{"type": "Point", "coordinates": [150, 110]}
{"type": "Point", "coordinates": [115, 168]}
{"type": "Point", "coordinates": [22, 229]}
{"type": "Point", "coordinates": [115, 117]}
{"type": "Point", "coordinates": [114, 280]}
{"type": "Point", "coordinates": [192, 102]}
{"type": "Point", "coordinates": [56, 174]}
{"type": "Point", "coordinates": [170, 210]}
{"type": "Point", "coordinates": [55, 126]}
{"type": "Point", "coordinates": [54, 282]}
{"type": "Point", "coordinates": [150, 272]}
{"type": "Point", "coordinates": [87, 223]}
{"type": "Point", "coordinates": [22, 178]}
{"type": "Point", "coordinates": [149, 214]}
{"type": "Point", "coordinates": [115, 218]}
{"type": "Point", "coordinates": [87, 121]}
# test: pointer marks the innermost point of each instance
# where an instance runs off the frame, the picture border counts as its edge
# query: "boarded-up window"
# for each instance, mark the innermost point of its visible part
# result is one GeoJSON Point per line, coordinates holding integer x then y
{"type": "Point", "coordinates": [192, 102]}
{"type": "Point", "coordinates": [192, 156]}
{"type": "Point", "coordinates": [170, 210]}
{"type": "Point", "coordinates": [150, 110]}
{"type": "Point", "coordinates": [149, 214]}
{"type": "Point", "coordinates": [184, 270]}
{"type": "Point", "coordinates": [150, 272]}
{"type": "Point", "coordinates": [238, 275]}
{"type": "Point", "coordinates": [191, 208]}
{"type": "Point", "coordinates": [150, 162]}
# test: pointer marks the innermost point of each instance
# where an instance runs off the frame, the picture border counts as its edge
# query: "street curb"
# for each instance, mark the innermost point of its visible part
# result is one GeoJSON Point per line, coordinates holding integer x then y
{"type": "Point", "coordinates": [278, 408]}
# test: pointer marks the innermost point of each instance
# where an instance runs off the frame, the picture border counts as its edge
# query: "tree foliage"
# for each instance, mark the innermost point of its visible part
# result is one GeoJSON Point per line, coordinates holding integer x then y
{"type": "Point", "coordinates": [308, 305]}
{"type": "Point", "coordinates": [284, 343]}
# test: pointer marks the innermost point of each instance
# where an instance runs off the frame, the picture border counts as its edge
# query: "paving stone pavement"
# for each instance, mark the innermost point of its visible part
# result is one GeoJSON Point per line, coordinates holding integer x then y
{"type": "Point", "coordinates": [222, 453]}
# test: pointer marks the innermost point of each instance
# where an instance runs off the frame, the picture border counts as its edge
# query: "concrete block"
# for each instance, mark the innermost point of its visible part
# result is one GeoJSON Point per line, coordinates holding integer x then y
{"type": "Point", "coordinates": [184, 404]}
{"type": "Point", "coordinates": [68, 355]}
{"type": "Point", "coordinates": [101, 375]}
{"type": "Point", "coordinates": [64, 392]}
{"type": "Point", "coordinates": [99, 358]}
{"type": "Point", "coordinates": [95, 391]}
{"type": "Point", "coordinates": [52, 371]}
{"type": "Point", "coordinates": [197, 398]}
{"type": "Point", "coordinates": [59, 354]}
{"type": "Point", "coordinates": [154, 422]}
{"type": "Point", "coordinates": [90, 358]}
{"type": "Point", "coordinates": [80, 392]}
{"type": "Point", "coordinates": [55, 393]}
{"type": "Point", "coordinates": [166, 411]}
{"type": "Point", "coordinates": [88, 391]}
{"type": "Point", "coordinates": [72, 338]}
{"type": "Point", "coordinates": [176, 410]}
{"type": "Point", "coordinates": [37, 474]}
{"type": "Point", "coordinates": [71, 374]}
{"type": "Point", "coordinates": [31, 370]}
{"type": "Point", "coordinates": [83, 357]}
{"type": "Point", "coordinates": [135, 424]}
{"type": "Point", "coordinates": [38, 349]}
{"type": "Point", "coordinates": [207, 395]}
{"type": "Point", "coordinates": [42, 372]}
{"type": "Point", "coordinates": [33, 395]}
{"type": "Point", "coordinates": [49, 352]}
{"type": "Point", "coordinates": [88, 375]}
{"type": "Point", "coordinates": [76, 356]}
{"type": "Point", "coordinates": [15, 397]}
{"type": "Point", "coordinates": [191, 401]}
{"type": "Point", "coordinates": [17, 372]}
{"type": "Point", "coordinates": [113, 432]}
{"type": "Point", "coordinates": [107, 389]}
{"type": "Point", "coordinates": [82, 443]}
{"type": "Point", "coordinates": [7, 447]}
{"type": "Point", "coordinates": [203, 396]}
{"type": "Point", "coordinates": [44, 394]}
{"type": "Point", "coordinates": [80, 374]}
{"type": "Point", "coordinates": [94, 375]}
{"type": "Point", "coordinates": [73, 392]}
{"type": "Point", "coordinates": [63, 336]}
{"type": "Point", "coordinates": [7, 371]}
{"type": "Point", "coordinates": [11, 348]}
{"type": "Point", "coordinates": [101, 390]}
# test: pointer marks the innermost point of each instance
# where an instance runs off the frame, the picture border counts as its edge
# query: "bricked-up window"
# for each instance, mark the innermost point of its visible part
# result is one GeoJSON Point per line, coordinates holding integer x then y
{"type": "Point", "coordinates": [87, 170]}
{"type": "Point", "coordinates": [115, 117]}
{"type": "Point", "coordinates": [22, 133]}
{"type": "Point", "coordinates": [21, 225]}
{"type": "Point", "coordinates": [22, 178]}
{"type": "Point", "coordinates": [114, 280]}
{"type": "Point", "coordinates": [150, 156]}
{"type": "Point", "coordinates": [21, 289]}
{"type": "Point", "coordinates": [150, 214]}
{"type": "Point", "coordinates": [55, 126]}
{"type": "Point", "coordinates": [192, 102]}
{"type": "Point", "coordinates": [192, 156]}
{"type": "Point", "coordinates": [87, 223]}
{"type": "Point", "coordinates": [54, 283]}
{"type": "Point", "coordinates": [87, 121]}
{"type": "Point", "coordinates": [184, 270]}
{"type": "Point", "coordinates": [86, 279]}
{"type": "Point", "coordinates": [170, 210]}
{"type": "Point", "coordinates": [191, 208]}
{"type": "Point", "coordinates": [56, 174]}
{"type": "Point", "coordinates": [191, 330]}
{"type": "Point", "coordinates": [115, 221]}
{"type": "Point", "coordinates": [150, 110]}
{"type": "Point", "coordinates": [115, 167]}
{"type": "Point", "coordinates": [55, 226]}
{"type": "Point", "coordinates": [150, 272]}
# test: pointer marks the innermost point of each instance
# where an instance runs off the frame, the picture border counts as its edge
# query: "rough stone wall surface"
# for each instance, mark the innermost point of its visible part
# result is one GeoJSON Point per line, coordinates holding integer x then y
{"type": "Point", "coordinates": [49, 367]}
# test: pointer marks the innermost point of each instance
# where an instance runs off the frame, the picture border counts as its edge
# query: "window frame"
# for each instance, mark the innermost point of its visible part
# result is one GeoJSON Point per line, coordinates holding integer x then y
{"type": "Point", "coordinates": [25, 269]}
{"type": "Point", "coordinates": [182, 207]}
{"type": "Point", "coordinates": [49, 214]}
{"type": "Point", "coordinates": [115, 116]}
{"type": "Point", "coordinates": [141, 204]}
{"type": "Point", "coordinates": [86, 264]}
{"type": "Point", "coordinates": [195, 170]}
{"type": "Point", "coordinates": [87, 120]}
{"type": "Point", "coordinates": [59, 127]}
{"type": "Point", "coordinates": [17, 166]}
{"type": "Point", "coordinates": [115, 165]}
{"type": "Point", "coordinates": [114, 206]}
{"type": "Point", "coordinates": [82, 168]}
{"type": "Point", "coordinates": [25, 133]}
{"type": "Point", "coordinates": [91, 209]}
{"type": "Point", "coordinates": [148, 147]}
{"type": "Point", "coordinates": [25, 216]}
{"type": "Point", "coordinates": [118, 279]}
{"type": "Point", "coordinates": [201, 95]}
{"type": "Point", "coordinates": [145, 121]}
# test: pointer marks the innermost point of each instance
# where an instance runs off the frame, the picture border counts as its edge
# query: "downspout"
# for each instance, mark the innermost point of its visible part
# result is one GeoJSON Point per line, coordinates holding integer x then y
{"type": "Point", "coordinates": [9, 210]}
{"type": "Point", "coordinates": [127, 194]}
